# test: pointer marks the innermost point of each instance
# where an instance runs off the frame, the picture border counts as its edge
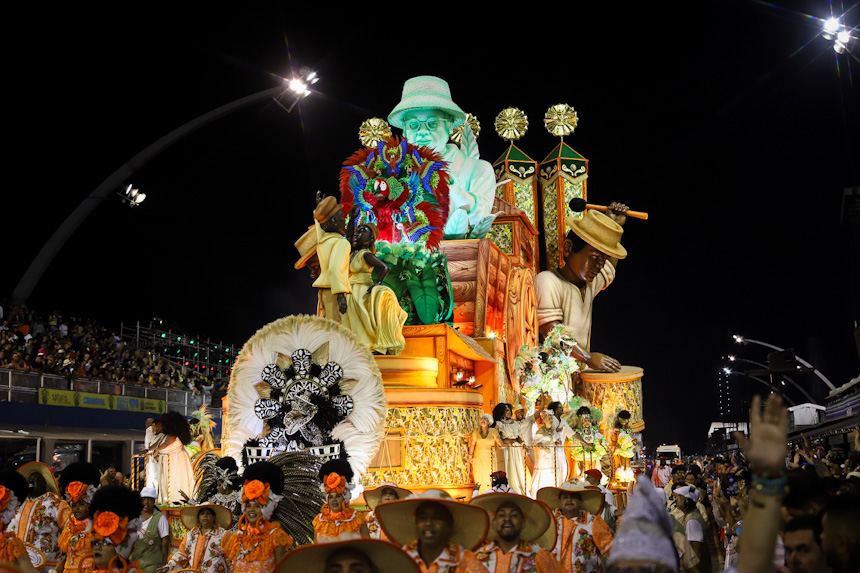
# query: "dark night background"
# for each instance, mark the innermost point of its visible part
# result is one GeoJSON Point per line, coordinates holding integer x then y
{"type": "Point", "coordinates": [733, 123]}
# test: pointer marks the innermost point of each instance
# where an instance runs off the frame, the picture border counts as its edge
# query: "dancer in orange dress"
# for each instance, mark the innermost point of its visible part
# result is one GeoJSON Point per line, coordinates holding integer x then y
{"type": "Point", "coordinates": [13, 487]}
{"type": "Point", "coordinates": [338, 521]}
{"type": "Point", "coordinates": [79, 482]}
{"type": "Point", "coordinates": [258, 543]}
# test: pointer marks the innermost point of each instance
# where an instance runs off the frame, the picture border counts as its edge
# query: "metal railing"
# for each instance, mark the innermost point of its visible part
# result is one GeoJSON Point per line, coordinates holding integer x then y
{"type": "Point", "coordinates": [18, 386]}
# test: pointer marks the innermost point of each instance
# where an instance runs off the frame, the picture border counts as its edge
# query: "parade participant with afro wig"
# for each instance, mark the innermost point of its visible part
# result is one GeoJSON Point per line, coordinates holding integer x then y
{"type": "Point", "coordinates": [258, 543]}
{"type": "Point", "coordinates": [13, 488]}
{"type": "Point", "coordinates": [338, 521]}
{"type": "Point", "coordinates": [176, 474]}
{"type": "Point", "coordinates": [79, 482]}
{"type": "Point", "coordinates": [114, 511]}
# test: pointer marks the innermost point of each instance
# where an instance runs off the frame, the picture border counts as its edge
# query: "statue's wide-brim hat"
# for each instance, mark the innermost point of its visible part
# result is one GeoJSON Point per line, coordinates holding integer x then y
{"type": "Point", "coordinates": [38, 467]}
{"type": "Point", "coordinates": [398, 519]}
{"type": "Point", "coordinates": [425, 92]}
{"type": "Point", "coordinates": [592, 497]}
{"type": "Point", "coordinates": [326, 208]}
{"type": "Point", "coordinates": [371, 496]}
{"type": "Point", "coordinates": [223, 516]}
{"type": "Point", "coordinates": [307, 247]}
{"type": "Point", "coordinates": [600, 232]}
{"type": "Point", "coordinates": [313, 558]}
{"type": "Point", "coordinates": [537, 516]}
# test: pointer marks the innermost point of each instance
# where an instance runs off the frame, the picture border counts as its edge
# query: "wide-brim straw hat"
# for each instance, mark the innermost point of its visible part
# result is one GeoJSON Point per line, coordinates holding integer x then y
{"type": "Point", "coordinates": [538, 517]}
{"type": "Point", "coordinates": [307, 247]}
{"type": "Point", "coordinates": [223, 516]}
{"type": "Point", "coordinates": [326, 208]}
{"type": "Point", "coordinates": [371, 496]}
{"type": "Point", "coordinates": [600, 232]}
{"type": "Point", "coordinates": [592, 497]}
{"type": "Point", "coordinates": [425, 92]}
{"type": "Point", "coordinates": [313, 558]}
{"type": "Point", "coordinates": [38, 467]}
{"type": "Point", "coordinates": [398, 518]}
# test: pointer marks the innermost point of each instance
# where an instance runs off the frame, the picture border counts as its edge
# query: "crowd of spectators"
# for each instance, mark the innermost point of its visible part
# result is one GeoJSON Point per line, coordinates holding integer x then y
{"type": "Point", "coordinates": [77, 347]}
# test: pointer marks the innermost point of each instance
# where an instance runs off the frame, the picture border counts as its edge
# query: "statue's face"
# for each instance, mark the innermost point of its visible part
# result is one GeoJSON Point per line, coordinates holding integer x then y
{"type": "Point", "coordinates": [584, 265]}
{"type": "Point", "coordinates": [430, 127]}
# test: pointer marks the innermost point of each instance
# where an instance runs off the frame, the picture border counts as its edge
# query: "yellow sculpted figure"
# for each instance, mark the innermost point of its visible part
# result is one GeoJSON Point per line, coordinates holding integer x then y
{"type": "Point", "coordinates": [373, 313]}
{"type": "Point", "coordinates": [333, 254]}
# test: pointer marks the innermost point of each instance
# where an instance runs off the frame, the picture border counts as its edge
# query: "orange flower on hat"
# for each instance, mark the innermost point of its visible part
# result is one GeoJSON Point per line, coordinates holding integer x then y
{"type": "Point", "coordinates": [5, 496]}
{"type": "Point", "coordinates": [76, 491]}
{"type": "Point", "coordinates": [107, 524]}
{"type": "Point", "coordinates": [334, 483]}
{"type": "Point", "coordinates": [255, 490]}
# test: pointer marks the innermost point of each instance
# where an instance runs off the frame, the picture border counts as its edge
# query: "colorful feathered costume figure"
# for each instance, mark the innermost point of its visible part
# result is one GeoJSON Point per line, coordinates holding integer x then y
{"type": "Point", "coordinates": [400, 188]}
{"type": "Point", "coordinates": [304, 383]}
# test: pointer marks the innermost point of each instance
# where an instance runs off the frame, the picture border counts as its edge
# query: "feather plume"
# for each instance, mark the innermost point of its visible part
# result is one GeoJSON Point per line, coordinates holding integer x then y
{"type": "Point", "coordinates": [303, 497]}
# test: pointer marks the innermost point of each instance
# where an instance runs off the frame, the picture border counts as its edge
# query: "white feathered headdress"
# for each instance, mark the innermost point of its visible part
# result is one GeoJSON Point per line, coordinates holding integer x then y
{"type": "Point", "coordinates": [304, 381]}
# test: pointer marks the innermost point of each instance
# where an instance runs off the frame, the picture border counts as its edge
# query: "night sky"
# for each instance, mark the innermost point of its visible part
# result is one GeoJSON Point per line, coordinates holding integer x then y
{"type": "Point", "coordinates": [727, 121]}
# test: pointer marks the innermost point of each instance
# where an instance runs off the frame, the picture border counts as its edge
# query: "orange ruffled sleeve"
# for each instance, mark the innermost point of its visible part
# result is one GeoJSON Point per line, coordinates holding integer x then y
{"type": "Point", "coordinates": [602, 535]}
{"type": "Point", "coordinates": [11, 548]}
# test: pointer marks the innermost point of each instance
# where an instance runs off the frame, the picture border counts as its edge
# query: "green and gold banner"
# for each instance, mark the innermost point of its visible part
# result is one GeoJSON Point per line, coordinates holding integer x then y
{"type": "Point", "coordinates": [104, 401]}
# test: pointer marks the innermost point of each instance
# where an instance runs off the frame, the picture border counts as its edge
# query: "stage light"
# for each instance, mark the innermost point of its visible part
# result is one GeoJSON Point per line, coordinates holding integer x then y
{"type": "Point", "coordinates": [832, 25]}
{"type": "Point", "coordinates": [732, 357]}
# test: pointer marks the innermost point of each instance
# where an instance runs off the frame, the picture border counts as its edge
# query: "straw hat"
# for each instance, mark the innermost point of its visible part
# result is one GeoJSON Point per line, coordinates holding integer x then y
{"type": "Point", "coordinates": [326, 208]}
{"type": "Point", "coordinates": [223, 517]}
{"type": "Point", "coordinates": [313, 558]}
{"type": "Point", "coordinates": [592, 497]}
{"type": "Point", "coordinates": [307, 247]}
{"type": "Point", "coordinates": [371, 496]}
{"type": "Point", "coordinates": [538, 517]}
{"type": "Point", "coordinates": [398, 518]}
{"type": "Point", "coordinates": [38, 467]}
{"type": "Point", "coordinates": [426, 92]}
{"type": "Point", "coordinates": [600, 232]}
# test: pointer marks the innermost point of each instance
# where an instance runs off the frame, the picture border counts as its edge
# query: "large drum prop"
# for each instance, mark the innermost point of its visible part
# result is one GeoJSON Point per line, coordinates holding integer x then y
{"type": "Point", "coordinates": [608, 390]}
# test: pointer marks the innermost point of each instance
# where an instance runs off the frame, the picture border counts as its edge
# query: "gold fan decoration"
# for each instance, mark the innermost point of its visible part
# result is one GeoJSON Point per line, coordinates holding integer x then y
{"type": "Point", "coordinates": [511, 124]}
{"type": "Point", "coordinates": [457, 135]}
{"type": "Point", "coordinates": [372, 131]}
{"type": "Point", "coordinates": [560, 119]}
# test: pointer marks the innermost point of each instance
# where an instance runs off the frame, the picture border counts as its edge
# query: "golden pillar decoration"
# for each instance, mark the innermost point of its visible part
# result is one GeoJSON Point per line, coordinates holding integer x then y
{"type": "Point", "coordinates": [563, 176]}
{"type": "Point", "coordinates": [372, 131]}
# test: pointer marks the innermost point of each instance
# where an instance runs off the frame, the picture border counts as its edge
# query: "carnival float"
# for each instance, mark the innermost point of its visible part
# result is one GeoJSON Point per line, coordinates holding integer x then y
{"type": "Point", "coordinates": [430, 312]}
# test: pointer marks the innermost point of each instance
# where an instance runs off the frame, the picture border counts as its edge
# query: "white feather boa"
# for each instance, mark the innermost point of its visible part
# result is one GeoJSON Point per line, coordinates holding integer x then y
{"type": "Point", "coordinates": [361, 431]}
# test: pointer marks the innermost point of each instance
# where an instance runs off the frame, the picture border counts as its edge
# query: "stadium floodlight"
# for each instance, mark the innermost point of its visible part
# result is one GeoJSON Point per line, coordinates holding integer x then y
{"type": "Point", "coordinates": [131, 196]}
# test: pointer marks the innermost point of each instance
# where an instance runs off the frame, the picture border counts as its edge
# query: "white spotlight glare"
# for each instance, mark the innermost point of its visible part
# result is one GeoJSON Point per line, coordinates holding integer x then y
{"type": "Point", "coordinates": [843, 36]}
{"type": "Point", "coordinates": [832, 25]}
{"type": "Point", "coordinates": [839, 48]}
{"type": "Point", "coordinates": [139, 197]}
{"type": "Point", "coordinates": [732, 357]}
{"type": "Point", "coordinates": [298, 86]}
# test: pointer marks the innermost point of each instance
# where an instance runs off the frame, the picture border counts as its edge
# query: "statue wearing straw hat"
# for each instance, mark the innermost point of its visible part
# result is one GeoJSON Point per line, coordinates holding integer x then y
{"type": "Point", "coordinates": [428, 116]}
{"type": "Point", "coordinates": [565, 295]}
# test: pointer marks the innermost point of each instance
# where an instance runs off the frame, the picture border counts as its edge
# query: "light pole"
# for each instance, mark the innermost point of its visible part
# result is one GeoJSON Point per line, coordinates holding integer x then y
{"type": "Point", "coordinates": [729, 371]}
{"type": "Point", "coordinates": [743, 340]}
{"type": "Point", "coordinates": [733, 358]}
{"type": "Point", "coordinates": [840, 35]}
{"type": "Point", "coordinates": [296, 87]}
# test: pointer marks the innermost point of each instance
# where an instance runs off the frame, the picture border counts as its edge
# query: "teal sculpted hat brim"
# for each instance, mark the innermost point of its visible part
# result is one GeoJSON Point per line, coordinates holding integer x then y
{"type": "Point", "coordinates": [426, 92]}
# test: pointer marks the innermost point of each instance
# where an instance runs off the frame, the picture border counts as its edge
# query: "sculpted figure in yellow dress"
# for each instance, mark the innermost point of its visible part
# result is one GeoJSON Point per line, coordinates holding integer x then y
{"type": "Point", "coordinates": [372, 313]}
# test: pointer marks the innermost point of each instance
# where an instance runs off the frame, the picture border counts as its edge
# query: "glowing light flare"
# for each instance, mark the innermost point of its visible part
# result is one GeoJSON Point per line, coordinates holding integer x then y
{"type": "Point", "coordinates": [843, 36]}
{"type": "Point", "coordinates": [832, 25]}
{"type": "Point", "coordinates": [738, 338]}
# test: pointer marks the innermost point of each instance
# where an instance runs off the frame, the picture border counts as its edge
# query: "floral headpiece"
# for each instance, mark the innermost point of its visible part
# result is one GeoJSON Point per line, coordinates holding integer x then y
{"type": "Point", "coordinates": [8, 505]}
{"type": "Point", "coordinates": [334, 482]}
{"type": "Point", "coordinates": [256, 490]}
{"type": "Point", "coordinates": [108, 525]}
{"type": "Point", "coordinates": [79, 490]}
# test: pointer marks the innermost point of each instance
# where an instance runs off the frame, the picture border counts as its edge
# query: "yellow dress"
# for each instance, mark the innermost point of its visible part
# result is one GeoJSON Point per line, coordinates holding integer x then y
{"type": "Point", "coordinates": [484, 458]}
{"type": "Point", "coordinates": [377, 320]}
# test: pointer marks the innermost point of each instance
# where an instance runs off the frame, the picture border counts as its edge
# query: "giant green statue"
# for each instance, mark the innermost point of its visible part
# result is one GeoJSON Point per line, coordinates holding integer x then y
{"type": "Point", "coordinates": [427, 115]}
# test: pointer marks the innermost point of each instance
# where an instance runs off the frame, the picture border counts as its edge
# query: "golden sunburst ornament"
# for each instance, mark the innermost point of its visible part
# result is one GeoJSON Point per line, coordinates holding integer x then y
{"type": "Point", "coordinates": [457, 135]}
{"type": "Point", "coordinates": [511, 124]}
{"type": "Point", "coordinates": [560, 119]}
{"type": "Point", "coordinates": [372, 131]}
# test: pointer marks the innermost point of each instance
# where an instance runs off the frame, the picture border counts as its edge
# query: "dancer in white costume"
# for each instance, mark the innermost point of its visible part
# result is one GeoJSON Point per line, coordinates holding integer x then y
{"type": "Point", "coordinates": [509, 430]}
{"type": "Point", "coordinates": [174, 464]}
{"type": "Point", "coordinates": [546, 462]}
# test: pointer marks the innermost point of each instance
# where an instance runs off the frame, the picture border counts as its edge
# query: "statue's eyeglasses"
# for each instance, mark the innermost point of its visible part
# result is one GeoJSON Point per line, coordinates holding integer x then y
{"type": "Point", "coordinates": [431, 123]}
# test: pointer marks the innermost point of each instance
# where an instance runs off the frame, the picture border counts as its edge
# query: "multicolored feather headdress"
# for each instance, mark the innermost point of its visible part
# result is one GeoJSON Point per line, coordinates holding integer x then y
{"type": "Point", "coordinates": [401, 188]}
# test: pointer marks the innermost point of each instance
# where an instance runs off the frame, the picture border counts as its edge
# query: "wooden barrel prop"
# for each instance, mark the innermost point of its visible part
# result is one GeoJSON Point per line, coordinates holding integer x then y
{"type": "Point", "coordinates": [608, 390]}
{"type": "Point", "coordinates": [521, 318]}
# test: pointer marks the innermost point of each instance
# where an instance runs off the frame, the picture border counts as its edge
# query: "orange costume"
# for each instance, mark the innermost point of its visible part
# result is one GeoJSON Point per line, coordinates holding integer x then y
{"type": "Point", "coordinates": [251, 548]}
{"type": "Point", "coordinates": [337, 525]}
{"type": "Point", "coordinates": [524, 558]}
{"type": "Point", "coordinates": [454, 559]}
{"type": "Point", "coordinates": [76, 543]}
{"type": "Point", "coordinates": [582, 544]}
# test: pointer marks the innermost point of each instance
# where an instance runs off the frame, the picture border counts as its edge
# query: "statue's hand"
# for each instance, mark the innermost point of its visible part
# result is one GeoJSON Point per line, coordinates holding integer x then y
{"type": "Point", "coordinates": [617, 212]}
{"type": "Point", "coordinates": [376, 284]}
{"type": "Point", "coordinates": [603, 362]}
{"type": "Point", "coordinates": [341, 302]}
